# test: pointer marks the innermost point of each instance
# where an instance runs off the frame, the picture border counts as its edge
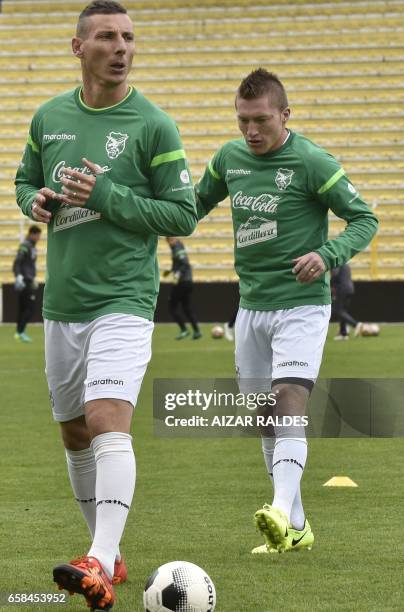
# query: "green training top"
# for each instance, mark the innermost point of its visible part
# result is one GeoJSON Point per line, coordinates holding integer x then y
{"type": "Point", "coordinates": [101, 259]}
{"type": "Point", "coordinates": [279, 204]}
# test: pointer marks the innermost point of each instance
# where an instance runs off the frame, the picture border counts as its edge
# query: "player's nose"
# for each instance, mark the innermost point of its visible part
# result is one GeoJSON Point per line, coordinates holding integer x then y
{"type": "Point", "coordinates": [120, 45]}
{"type": "Point", "coordinates": [252, 130]}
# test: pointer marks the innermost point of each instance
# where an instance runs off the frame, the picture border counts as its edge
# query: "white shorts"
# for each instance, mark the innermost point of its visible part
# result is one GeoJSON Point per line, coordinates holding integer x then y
{"type": "Point", "coordinates": [104, 358]}
{"type": "Point", "coordinates": [279, 344]}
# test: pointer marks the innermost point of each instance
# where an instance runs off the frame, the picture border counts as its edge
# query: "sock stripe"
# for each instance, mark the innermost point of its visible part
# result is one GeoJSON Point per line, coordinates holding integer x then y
{"type": "Point", "coordinates": [288, 461]}
{"type": "Point", "coordinates": [85, 501]}
{"type": "Point", "coordinates": [112, 501]}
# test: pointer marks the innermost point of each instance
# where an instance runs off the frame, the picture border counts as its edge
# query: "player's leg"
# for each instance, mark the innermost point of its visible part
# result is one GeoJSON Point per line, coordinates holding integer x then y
{"type": "Point", "coordinates": [228, 327]}
{"type": "Point", "coordinates": [187, 288]}
{"type": "Point", "coordinates": [345, 314]}
{"type": "Point", "coordinates": [29, 309]}
{"type": "Point", "coordinates": [117, 350]}
{"type": "Point", "coordinates": [174, 306]}
{"type": "Point", "coordinates": [253, 357]}
{"type": "Point", "coordinates": [289, 458]}
{"type": "Point", "coordinates": [298, 341]}
{"type": "Point", "coordinates": [65, 370]}
{"type": "Point", "coordinates": [26, 305]}
{"type": "Point", "coordinates": [118, 354]}
{"type": "Point", "coordinates": [337, 310]}
{"type": "Point", "coordinates": [21, 308]}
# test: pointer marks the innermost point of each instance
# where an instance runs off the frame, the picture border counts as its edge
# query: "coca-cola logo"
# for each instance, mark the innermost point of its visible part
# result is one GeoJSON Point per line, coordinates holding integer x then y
{"type": "Point", "coordinates": [57, 173]}
{"type": "Point", "coordinates": [265, 202]}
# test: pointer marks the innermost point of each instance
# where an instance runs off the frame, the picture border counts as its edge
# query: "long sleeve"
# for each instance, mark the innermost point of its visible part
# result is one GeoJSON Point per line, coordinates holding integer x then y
{"type": "Point", "coordinates": [334, 191]}
{"type": "Point", "coordinates": [29, 178]}
{"type": "Point", "coordinates": [211, 189]}
{"type": "Point", "coordinates": [120, 205]}
{"type": "Point", "coordinates": [171, 211]}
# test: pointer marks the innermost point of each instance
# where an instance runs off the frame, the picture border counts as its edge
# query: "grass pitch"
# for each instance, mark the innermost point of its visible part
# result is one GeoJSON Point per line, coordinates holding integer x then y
{"type": "Point", "coordinates": [195, 498]}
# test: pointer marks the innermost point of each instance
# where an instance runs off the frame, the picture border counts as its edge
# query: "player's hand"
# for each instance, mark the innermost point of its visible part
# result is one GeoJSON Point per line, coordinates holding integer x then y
{"type": "Point", "coordinates": [309, 267]}
{"type": "Point", "coordinates": [78, 187]}
{"type": "Point", "coordinates": [38, 210]}
{"type": "Point", "coordinates": [19, 283]}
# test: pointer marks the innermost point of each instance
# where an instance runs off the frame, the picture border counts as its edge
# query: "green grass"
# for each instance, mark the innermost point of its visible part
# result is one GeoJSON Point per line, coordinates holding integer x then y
{"type": "Point", "coordinates": [195, 498]}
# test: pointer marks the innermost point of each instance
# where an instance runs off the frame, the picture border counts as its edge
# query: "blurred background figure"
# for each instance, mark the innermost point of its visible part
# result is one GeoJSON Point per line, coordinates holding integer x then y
{"type": "Point", "coordinates": [229, 327]}
{"type": "Point", "coordinates": [180, 297]}
{"type": "Point", "coordinates": [24, 269]}
{"type": "Point", "coordinates": [342, 291]}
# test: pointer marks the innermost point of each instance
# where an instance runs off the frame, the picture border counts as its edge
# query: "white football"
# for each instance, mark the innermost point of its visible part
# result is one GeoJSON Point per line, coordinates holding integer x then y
{"type": "Point", "coordinates": [179, 586]}
{"type": "Point", "coordinates": [370, 329]}
{"type": "Point", "coordinates": [217, 332]}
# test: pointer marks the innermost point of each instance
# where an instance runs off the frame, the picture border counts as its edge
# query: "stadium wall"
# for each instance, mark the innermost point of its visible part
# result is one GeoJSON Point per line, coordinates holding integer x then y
{"type": "Point", "coordinates": [376, 301]}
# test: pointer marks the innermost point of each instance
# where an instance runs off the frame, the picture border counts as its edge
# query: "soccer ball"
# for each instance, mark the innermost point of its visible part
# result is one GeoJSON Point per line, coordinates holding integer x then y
{"type": "Point", "coordinates": [370, 329]}
{"type": "Point", "coordinates": [179, 586]}
{"type": "Point", "coordinates": [217, 332]}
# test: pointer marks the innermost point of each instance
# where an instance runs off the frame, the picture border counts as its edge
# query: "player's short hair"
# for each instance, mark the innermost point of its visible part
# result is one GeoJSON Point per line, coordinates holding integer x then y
{"type": "Point", "coordinates": [98, 7]}
{"type": "Point", "coordinates": [259, 83]}
{"type": "Point", "coordinates": [34, 229]}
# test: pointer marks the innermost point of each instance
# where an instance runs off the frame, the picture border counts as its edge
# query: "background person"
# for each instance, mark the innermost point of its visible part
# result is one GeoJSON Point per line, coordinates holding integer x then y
{"type": "Point", "coordinates": [179, 301]}
{"type": "Point", "coordinates": [342, 291]}
{"type": "Point", "coordinates": [24, 269]}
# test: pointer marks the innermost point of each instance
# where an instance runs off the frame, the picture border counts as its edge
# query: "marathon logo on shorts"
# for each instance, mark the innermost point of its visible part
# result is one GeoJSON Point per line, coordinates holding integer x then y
{"type": "Point", "coordinates": [105, 381]}
{"type": "Point", "coordinates": [292, 364]}
{"type": "Point", "coordinates": [69, 216]}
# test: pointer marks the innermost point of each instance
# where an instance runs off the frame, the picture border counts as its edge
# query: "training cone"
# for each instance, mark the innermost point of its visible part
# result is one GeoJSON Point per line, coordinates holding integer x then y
{"type": "Point", "coordinates": [340, 481]}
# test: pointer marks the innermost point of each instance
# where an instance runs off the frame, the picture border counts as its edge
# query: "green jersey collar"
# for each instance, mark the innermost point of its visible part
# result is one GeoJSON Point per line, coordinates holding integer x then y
{"type": "Point", "coordinates": [107, 109]}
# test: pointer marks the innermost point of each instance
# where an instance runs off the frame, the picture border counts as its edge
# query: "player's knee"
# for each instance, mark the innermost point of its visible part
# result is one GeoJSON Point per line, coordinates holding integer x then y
{"type": "Point", "coordinates": [75, 434]}
{"type": "Point", "coordinates": [291, 394]}
{"type": "Point", "coordinates": [106, 415]}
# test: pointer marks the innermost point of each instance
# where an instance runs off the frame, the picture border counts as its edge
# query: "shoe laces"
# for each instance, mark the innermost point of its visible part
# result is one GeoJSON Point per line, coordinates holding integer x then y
{"type": "Point", "coordinates": [77, 560]}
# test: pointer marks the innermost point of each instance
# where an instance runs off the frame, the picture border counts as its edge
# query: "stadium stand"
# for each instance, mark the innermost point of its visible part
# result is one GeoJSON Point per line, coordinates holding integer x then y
{"type": "Point", "coordinates": [342, 64]}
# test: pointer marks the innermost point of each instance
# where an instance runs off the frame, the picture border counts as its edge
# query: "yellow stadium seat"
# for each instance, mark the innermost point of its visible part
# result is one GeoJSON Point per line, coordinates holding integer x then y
{"type": "Point", "coordinates": [344, 84]}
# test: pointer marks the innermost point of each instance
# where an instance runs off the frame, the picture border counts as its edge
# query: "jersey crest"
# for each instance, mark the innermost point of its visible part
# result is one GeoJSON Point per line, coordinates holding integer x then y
{"type": "Point", "coordinates": [283, 178]}
{"type": "Point", "coordinates": [115, 144]}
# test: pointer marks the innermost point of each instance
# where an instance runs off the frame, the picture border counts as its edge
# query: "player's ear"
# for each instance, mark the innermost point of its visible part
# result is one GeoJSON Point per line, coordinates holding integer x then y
{"type": "Point", "coordinates": [285, 115]}
{"type": "Point", "coordinates": [77, 47]}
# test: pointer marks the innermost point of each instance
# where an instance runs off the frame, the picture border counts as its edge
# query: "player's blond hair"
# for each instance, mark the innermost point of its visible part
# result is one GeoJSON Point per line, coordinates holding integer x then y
{"type": "Point", "coordinates": [259, 83]}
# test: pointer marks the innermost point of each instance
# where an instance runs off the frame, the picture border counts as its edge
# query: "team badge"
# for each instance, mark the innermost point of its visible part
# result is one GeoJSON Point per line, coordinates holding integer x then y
{"type": "Point", "coordinates": [115, 144]}
{"type": "Point", "coordinates": [283, 178]}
